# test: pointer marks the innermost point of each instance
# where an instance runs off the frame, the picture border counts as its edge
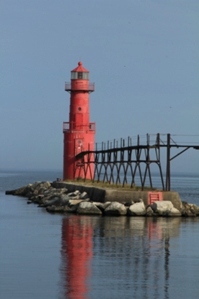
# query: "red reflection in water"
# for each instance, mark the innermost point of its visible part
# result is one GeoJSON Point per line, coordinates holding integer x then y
{"type": "Point", "coordinates": [77, 253]}
{"type": "Point", "coordinates": [154, 230]}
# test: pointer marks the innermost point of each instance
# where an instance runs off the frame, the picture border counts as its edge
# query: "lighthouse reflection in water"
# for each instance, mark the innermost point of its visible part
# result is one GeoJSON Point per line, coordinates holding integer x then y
{"type": "Point", "coordinates": [116, 256]}
{"type": "Point", "coordinates": [76, 255]}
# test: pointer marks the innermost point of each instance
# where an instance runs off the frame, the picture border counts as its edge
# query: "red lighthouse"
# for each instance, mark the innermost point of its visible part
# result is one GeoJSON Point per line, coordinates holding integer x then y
{"type": "Point", "coordinates": [79, 133]}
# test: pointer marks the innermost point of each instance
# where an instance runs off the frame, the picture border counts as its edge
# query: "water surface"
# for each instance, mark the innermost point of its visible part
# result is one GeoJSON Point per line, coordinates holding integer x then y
{"type": "Point", "coordinates": [70, 256]}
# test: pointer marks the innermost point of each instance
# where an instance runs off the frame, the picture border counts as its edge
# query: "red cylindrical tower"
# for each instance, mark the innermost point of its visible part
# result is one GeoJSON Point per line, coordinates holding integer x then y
{"type": "Point", "coordinates": [79, 133]}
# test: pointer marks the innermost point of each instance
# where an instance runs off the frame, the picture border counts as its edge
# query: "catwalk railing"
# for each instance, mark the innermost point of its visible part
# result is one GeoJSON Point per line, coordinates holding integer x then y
{"type": "Point", "coordinates": [134, 161]}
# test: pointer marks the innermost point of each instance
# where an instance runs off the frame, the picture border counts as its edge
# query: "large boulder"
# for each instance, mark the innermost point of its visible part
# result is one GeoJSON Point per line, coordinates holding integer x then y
{"type": "Point", "coordinates": [115, 209]}
{"type": "Point", "coordinates": [137, 209]}
{"type": "Point", "coordinates": [189, 210]}
{"type": "Point", "coordinates": [162, 208]}
{"type": "Point", "coordinates": [86, 208]}
{"type": "Point", "coordinates": [196, 209]}
{"type": "Point", "coordinates": [54, 200]}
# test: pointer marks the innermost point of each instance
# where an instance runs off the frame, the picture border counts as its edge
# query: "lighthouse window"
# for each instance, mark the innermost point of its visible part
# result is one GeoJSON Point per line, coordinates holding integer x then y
{"type": "Point", "coordinates": [73, 75]}
{"type": "Point", "coordinates": [79, 108]}
{"type": "Point", "coordinates": [80, 75]}
{"type": "Point", "coordinates": [85, 76]}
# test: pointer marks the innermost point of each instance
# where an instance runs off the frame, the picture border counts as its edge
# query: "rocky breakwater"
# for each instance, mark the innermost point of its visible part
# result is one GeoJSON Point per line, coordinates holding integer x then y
{"type": "Point", "coordinates": [57, 198]}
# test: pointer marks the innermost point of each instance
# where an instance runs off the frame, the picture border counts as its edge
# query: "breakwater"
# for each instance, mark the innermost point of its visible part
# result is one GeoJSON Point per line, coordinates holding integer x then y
{"type": "Point", "coordinates": [72, 197]}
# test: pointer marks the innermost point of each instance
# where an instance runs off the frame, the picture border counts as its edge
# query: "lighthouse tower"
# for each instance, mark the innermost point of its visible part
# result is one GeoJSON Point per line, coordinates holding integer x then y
{"type": "Point", "coordinates": [79, 133]}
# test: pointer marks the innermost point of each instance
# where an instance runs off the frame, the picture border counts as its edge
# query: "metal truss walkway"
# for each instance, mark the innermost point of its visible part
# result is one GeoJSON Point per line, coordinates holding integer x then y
{"type": "Point", "coordinates": [133, 162]}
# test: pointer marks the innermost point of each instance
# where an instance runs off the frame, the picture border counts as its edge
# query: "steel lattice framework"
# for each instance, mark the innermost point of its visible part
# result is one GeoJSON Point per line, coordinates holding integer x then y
{"type": "Point", "coordinates": [124, 164]}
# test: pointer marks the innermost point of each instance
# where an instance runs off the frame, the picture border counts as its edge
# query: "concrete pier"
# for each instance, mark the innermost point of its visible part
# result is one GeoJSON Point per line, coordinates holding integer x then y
{"type": "Point", "coordinates": [117, 194]}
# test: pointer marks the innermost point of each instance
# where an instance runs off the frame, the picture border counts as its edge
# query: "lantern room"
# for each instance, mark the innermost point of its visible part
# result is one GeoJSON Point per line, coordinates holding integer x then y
{"type": "Point", "coordinates": [80, 73]}
{"type": "Point", "coordinates": [79, 80]}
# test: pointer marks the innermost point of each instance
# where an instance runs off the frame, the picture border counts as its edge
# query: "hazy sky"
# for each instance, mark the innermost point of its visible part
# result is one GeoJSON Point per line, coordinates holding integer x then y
{"type": "Point", "coordinates": [142, 55]}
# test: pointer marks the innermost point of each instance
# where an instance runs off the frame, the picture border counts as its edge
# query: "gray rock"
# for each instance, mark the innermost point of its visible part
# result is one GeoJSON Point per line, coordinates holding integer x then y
{"type": "Point", "coordinates": [62, 191]}
{"type": "Point", "coordinates": [174, 213]}
{"type": "Point", "coordinates": [150, 212]}
{"type": "Point", "coordinates": [20, 191]}
{"type": "Point", "coordinates": [84, 196]}
{"type": "Point", "coordinates": [196, 209]}
{"type": "Point", "coordinates": [31, 189]}
{"type": "Point", "coordinates": [189, 210]}
{"type": "Point", "coordinates": [88, 208]}
{"type": "Point", "coordinates": [137, 209]}
{"type": "Point", "coordinates": [115, 209]}
{"type": "Point", "coordinates": [76, 194]}
{"type": "Point", "coordinates": [54, 200]}
{"type": "Point", "coordinates": [74, 202]}
{"type": "Point", "coordinates": [163, 208]}
{"type": "Point", "coordinates": [102, 206]}
{"type": "Point", "coordinates": [71, 209]}
{"type": "Point", "coordinates": [99, 205]}
{"type": "Point", "coordinates": [64, 199]}
{"type": "Point", "coordinates": [55, 209]}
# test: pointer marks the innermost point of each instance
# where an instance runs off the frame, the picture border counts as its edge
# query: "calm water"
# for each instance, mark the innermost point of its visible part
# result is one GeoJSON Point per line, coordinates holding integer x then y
{"type": "Point", "coordinates": [59, 257]}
